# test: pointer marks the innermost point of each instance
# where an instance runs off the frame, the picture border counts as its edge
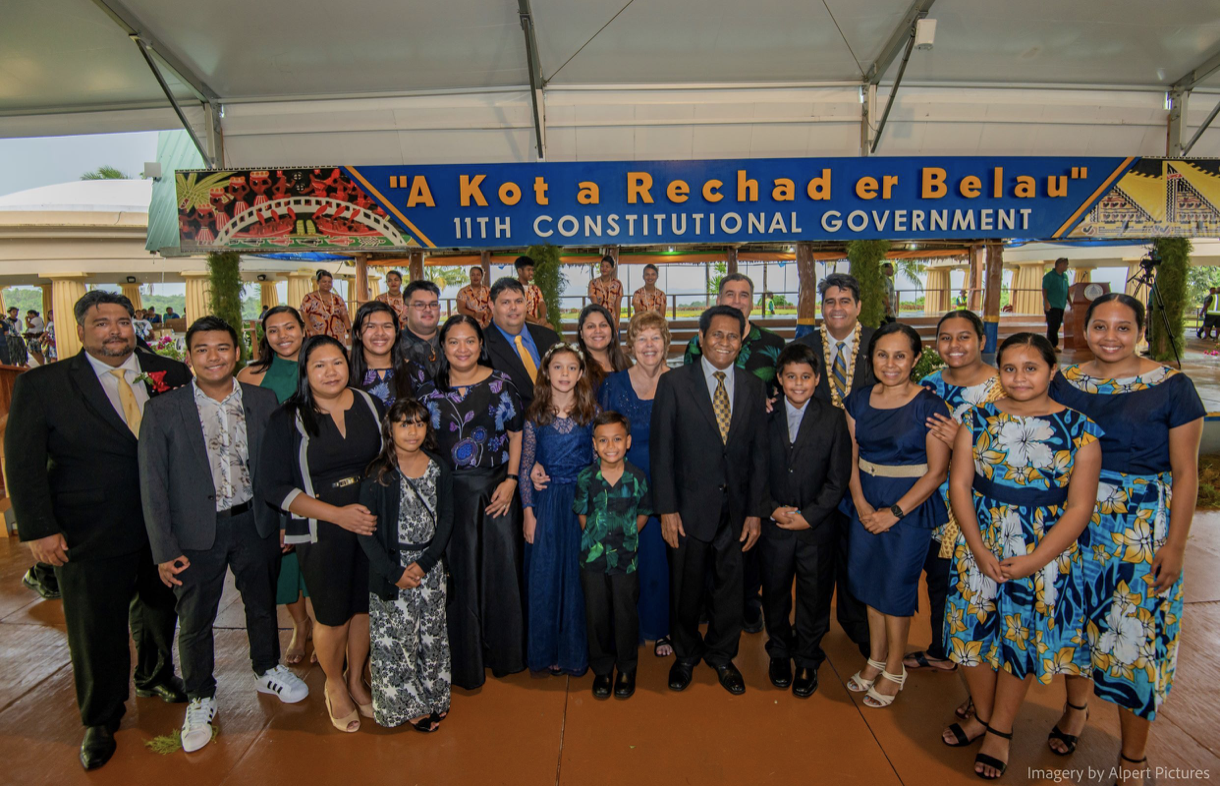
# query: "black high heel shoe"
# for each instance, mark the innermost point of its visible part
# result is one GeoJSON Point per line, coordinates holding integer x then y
{"type": "Point", "coordinates": [1069, 740]}
{"type": "Point", "coordinates": [1123, 758]}
{"type": "Point", "coordinates": [991, 761]}
{"type": "Point", "coordinates": [427, 725]}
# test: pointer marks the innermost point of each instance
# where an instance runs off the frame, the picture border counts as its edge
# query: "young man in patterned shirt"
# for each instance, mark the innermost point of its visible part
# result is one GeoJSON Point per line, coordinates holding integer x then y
{"type": "Point", "coordinates": [535, 306]}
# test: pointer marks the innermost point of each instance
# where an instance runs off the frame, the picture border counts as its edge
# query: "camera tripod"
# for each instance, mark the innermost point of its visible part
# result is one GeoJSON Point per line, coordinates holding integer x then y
{"type": "Point", "coordinates": [1147, 278]}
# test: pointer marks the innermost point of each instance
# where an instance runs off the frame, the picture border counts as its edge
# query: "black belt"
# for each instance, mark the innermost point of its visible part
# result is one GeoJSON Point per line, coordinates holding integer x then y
{"type": "Point", "coordinates": [236, 510]}
{"type": "Point", "coordinates": [414, 546]}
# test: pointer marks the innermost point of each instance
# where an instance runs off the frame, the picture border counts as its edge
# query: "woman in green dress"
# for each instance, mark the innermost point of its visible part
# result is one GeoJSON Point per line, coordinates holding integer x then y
{"type": "Point", "coordinates": [276, 368]}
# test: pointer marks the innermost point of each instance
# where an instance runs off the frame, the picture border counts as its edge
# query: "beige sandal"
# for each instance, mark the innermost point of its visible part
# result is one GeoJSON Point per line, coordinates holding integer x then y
{"type": "Point", "coordinates": [345, 723]}
{"type": "Point", "coordinates": [879, 700]}
{"type": "Point", "coordinates": [858, 684]}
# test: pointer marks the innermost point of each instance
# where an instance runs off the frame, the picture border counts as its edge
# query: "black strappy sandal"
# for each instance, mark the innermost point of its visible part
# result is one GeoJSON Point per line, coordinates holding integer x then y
{"type": "Point", "coordinates": [969, 711]}
{"type": "Point", "coordinates": [991, 761]}
{"type": "Point", "coordinates": [662, 642]}
{"type": "Point", "coordinates": [1069, 740]}
{"type": "Point", "coordinates": [427, 725]}
{"type": "Point", "coordinates": [1123, 758]}
{"type": "Point", "coordinates": [959, 734]}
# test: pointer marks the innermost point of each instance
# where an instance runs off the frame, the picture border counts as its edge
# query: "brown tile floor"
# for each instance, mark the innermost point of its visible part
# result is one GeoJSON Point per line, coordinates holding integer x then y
{"type": "Point", "coordinates": [546, 730]}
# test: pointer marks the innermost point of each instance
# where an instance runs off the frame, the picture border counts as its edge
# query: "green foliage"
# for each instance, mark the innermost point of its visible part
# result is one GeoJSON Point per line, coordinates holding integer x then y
{"type": "Point", "coordinates": [168, 346]}
{"type": "Point", "coordinates": [224, 271]}
{"type": "Point", "coordinates": [929, 361]}
{"type": "Point", "coordinates": [720, 270]}
{"type": "Point", "coordinates": [866, 257]}
{"type": "Point", "coordinates": [106, 173]}
{"type": "Point", "coordinates": [1171, 284]}
{"type": "Point", "coordinates": [549, 277]}
{"type": "Point", "coordinates": [1200, 279]}
{"type": "Point", "coordinates": [448, 276]}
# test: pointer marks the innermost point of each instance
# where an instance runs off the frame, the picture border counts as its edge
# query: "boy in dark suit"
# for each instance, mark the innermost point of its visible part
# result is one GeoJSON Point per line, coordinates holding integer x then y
{"type": "Point", "coordinates": [809, 458]}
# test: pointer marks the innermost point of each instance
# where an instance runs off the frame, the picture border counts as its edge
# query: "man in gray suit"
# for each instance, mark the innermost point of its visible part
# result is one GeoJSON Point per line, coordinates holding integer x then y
{"type": "Point", "coordinates": [199, 447]}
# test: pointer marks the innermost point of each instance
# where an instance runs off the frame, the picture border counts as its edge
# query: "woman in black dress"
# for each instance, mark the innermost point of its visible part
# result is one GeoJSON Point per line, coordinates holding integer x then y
{"type": "Point", "coordinates": [477, 417]}
{"type": "Point", "coordinates": [318, 445]}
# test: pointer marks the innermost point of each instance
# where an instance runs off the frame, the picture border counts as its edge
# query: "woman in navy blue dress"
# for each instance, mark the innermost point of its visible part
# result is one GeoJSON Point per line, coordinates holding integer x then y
{"type": "Point", "coordinates": [897, 469]}
{"type": "Point", "coordinates": [630, 393]}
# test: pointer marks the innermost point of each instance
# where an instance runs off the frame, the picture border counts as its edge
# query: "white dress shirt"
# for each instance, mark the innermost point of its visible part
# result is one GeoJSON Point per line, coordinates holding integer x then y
{"type": "Point", "coordinates": [110, 384]}
{"type": "Point", "coordinates": [848, 342]}
{"type": "Point", "coordinates": [794, 418]}
{"type": "Point", "coordinates": [709, 370]}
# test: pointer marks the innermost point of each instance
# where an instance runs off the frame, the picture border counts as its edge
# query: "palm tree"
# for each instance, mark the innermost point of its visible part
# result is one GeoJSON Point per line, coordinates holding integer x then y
{"type": "Point", "coordinates": [106, 173]}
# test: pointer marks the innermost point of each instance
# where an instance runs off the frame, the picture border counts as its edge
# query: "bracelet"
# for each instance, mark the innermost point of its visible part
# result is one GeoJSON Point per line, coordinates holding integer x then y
{"type": "Point", "coordinates": [513, 476]}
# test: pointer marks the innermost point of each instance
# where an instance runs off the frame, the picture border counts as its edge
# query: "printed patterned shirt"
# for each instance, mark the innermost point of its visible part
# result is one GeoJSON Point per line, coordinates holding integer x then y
{"type": "Point", "coordinates": [611, 538]}
{"type": "Point", "coordinates": [224, 436]}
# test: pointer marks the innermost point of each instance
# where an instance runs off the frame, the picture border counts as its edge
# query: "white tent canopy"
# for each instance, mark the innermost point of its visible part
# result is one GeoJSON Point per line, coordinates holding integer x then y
{"type": "Point", "coordinates": [395, 81]}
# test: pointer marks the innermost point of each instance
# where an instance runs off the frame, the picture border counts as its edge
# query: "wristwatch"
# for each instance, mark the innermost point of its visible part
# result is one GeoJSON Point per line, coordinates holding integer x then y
{"type": "Point", "coordinates": [897, 511]}
{"type": "Point", "coordinates": [511, 476]}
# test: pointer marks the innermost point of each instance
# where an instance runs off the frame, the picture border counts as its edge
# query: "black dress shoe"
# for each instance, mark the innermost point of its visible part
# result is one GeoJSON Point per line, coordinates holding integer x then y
{"type": "Point", "coordinates": [680, 675]}
{"type": "Point", "coordinates": [752, 624]}
{"type": "Point", "coordinates": [624, 686]}
{"type": "Point", "coordinates": [780, 672]}
{"type": "Point", "coordinates": [602, 684]}
{"type": "Point", "coordinates": [172, 691]}
{"type": "Point", "coordinates": [806, 682]}
{"type": "Point", "coordinates": [97, 747]}
{"type": "Point", "coordinates": [731, 679]}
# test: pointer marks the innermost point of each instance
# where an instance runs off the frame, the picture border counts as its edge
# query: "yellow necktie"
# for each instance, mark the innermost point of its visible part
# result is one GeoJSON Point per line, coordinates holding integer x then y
{"type": "Point", "coordinates": [526, 358]}
{"type": "Point", "coordinates": [127, 397]}
{"type": "Point", "coordinates": [720, 405]}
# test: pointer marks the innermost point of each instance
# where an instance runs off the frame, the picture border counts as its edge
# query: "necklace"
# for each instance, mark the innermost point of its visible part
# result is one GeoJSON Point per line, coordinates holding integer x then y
{"type": "Point", "coordinates": [849, 361]}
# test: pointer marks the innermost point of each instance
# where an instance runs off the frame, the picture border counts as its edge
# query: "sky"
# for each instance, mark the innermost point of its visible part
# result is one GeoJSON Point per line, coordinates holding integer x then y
{"type": "Point", "coordinates": [45, 161]}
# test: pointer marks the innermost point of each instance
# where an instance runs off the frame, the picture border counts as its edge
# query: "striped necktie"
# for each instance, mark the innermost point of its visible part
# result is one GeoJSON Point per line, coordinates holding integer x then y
{"type": "Point", "coordinates": [720, 405]}
{"type": "Point", "coordinates": [839, 371]}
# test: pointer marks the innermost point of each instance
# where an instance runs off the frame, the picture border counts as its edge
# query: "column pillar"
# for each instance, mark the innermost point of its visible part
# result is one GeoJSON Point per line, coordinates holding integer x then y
{"type": "Point", "coordinates": [349, 294]}
{"type": "Point", "coordinates": [936, 297]}
{"type": "Point", "coordinates": [132, 293]}
{"type": "Point", "coordinates": [993, 280]}
{"type": "Point", "coordinates": [807, 286]}
{"type": "Point", "coordinates": [268, 295]}
{"type": "Point", "coordinates": [1084, 274]}
{"type": "Point", "coordinates": [730, 256]}
{"type": "Point", "coordinates": [416, 267]}
{"type": "Point", "coordinates": [66, 289]}
{"type": "Point", "coordinates": [198, 294]}
{"type": "Point", "coordinates": [1027, 286]}
{"type": "Point", "coordinates": [374, 286]}
{"type": "Point", "coordinates": [300, 284]}
{"type": "Point", "coordinates": [361, 293]}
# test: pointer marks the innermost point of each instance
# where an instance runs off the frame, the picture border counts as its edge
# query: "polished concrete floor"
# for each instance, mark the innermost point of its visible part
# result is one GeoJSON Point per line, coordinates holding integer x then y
{"type": "Point", "coordinates": [549, 730]}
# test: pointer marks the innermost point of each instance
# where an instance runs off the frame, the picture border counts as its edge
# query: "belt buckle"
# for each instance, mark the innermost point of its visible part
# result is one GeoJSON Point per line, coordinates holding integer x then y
{"type": "Point", "coordinates": [344, 482]}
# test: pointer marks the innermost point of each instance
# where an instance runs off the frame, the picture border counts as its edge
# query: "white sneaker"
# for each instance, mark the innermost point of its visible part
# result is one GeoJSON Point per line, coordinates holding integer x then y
{"type": "Point", "coordinates": [197, 727]}
{"type": "Point", "coordinates": [282, 683]}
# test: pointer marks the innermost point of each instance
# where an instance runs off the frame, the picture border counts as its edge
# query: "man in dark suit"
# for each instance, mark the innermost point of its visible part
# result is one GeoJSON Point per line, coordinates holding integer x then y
{"type": "Point", "coordinates": [199, 453]}
{"type": "Point", "coordinates": [76, 496]}
{"type": "Point", "coordinates": [809, 467]}
{"type": "Point", "coordinates": [515, 347]}
{"type": "Point", "coordinates": [842, 346]}
{"type": "Point", "coordinates": [707, 443]}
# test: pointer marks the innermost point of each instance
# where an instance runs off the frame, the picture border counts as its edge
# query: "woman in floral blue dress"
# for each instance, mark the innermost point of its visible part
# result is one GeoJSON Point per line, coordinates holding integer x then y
{"type": "Point", "coordinates": [1134, 545]}
{"type": "Point", "coordinates": [477, 417]}
{"type": "Point", "coordinates": [1022, 486]}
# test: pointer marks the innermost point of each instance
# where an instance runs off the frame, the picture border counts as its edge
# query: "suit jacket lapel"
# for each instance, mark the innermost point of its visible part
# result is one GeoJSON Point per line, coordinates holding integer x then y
{"type": "Point", "coordinates": [739, 383]}
{"type": "Point", "coordinates": [804, 431]}
{"type": "Point", "coordinates": [703, 399]}
{"type": "Point", "coordinates": [193, 428]}
{"type": "Point", "coordinates": [94, 395]}
{"type": "Point", "coordinates": [500, 347]}
{"type": "Point", "coordinates": [254, 432]}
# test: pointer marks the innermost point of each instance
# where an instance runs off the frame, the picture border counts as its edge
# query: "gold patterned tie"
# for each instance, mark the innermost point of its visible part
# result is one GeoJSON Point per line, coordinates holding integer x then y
{"type": "Point", "coordinates": [839, 371]}
{"type": "Point", "coordinates": [526, 358]}
{"type": "Point", "coordinates": [127, 397]}
{"type": "Point", "coordinates": [720, 405]}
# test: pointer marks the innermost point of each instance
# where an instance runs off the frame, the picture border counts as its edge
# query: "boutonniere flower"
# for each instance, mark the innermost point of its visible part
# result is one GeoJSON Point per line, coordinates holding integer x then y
{"type": "Point", "coordinates": [155, 380]}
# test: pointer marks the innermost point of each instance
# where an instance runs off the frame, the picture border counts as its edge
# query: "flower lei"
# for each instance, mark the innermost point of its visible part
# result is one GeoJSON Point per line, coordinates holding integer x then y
{"type": "Point", "coordinates": [849, 361]}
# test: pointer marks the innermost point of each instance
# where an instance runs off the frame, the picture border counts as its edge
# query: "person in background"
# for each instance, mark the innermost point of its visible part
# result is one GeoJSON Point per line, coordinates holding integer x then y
{"type": "Point", "coordinates": [559, 437]}
{"type": "Point", "coordinates": [707, 443]}
{"type": "Point", "coordinates": [515, 347]}
{"type": "Point", "coordinates": [325, 312]}
{"type": "Point", "coordinates": [202, 519]}
{"type": "Point", "coordinates": [153, 316]}
{"type": "Point", "coordinates": [598, 340]}
{"type": "Point", "coordinates": [277, 370]}
{"type": "Point", "coordinates": [1135, 543]}
{"type": "Point", "coordinates": [535, 306]}
{"type": "Point", "coordinates": [1054, 298]}
{"type": "Point", "coordinates": [76, 496]}
{"type": "Point", "coordinates": [393, 296]}
{"type": "Point", "coordinates": [477, 417]}
{"type": "Point", "coordinates": [898, 468]}
{"type": "Point", "coordinates": [809, 468]}
{"type": "Point", "coordinates": [1211, 315]}
{"type": "Point", "coordinates": [261, 313]}
{"type": "Point", "coordinates": [17, 353]}
{"type": "Point", "coordinates": [34, 328]}
{"type": "Point", "coordinates": [474, 299]}
{"type": "Point", "coordinates": [613, 504]}
{"type": "Point", "coordinates": [375, 362]}
{"type": "Point", "coordinates": [1023, 490]}
{"type": "Point", "coordinates": [649, 297]}
{"type": "Point", "coordinates": [142, 326]}
{"type": "Point", "coordinates": [409, 490]}
{"type": "Point", "coordinates": [169, 313]}
{"type": "Point", "coordinates": [759, 350]}
{"type": "Point", "coordinates": [891, 296]}
{"type": "Point", "coordinates": [418, 343]}
{"type": "Point", "coordinates": [49, 349]}
{"type": "Point", "coordinates": [318, 445]}
{"type": "Point", "coordinates": [606, 290]}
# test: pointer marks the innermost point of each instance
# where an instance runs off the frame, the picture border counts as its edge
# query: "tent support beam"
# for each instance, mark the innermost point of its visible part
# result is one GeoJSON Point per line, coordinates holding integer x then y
{"type": "Point", "coordinates": [889, 104]}
{"type": "Point", "coordinates": [898, 38]}
{"type": "Point", "coordinates": [536, 81]}
{"type": "Point", "coordinates": [203, 151]}
{"type": "Point", "coordinates": [131, 24]}
{"type": "Point", "coordinates": [1198, 74]}
{"type": "Point", "coordinates": [1210, 117]}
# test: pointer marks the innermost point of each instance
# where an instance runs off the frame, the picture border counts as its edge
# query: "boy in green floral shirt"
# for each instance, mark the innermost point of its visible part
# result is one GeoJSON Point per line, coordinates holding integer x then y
{"type": "Point", "coordinates": [614, 503]}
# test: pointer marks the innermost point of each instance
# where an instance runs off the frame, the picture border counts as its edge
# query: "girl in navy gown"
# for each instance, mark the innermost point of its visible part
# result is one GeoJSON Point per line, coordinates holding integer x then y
{"type": "Point", "coordinates": [558, 437]}
{"type": "Point", "coordinates": [630, 393]}
{"type": "Point", "coordinates": [898, 466]}
{"type": "Point", "coordinates": [1134, 545]}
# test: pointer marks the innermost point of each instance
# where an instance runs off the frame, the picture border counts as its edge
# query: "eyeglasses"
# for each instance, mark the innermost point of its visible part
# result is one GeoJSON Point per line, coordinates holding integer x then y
{"type": "Point", "coordinates": [428, 305]}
